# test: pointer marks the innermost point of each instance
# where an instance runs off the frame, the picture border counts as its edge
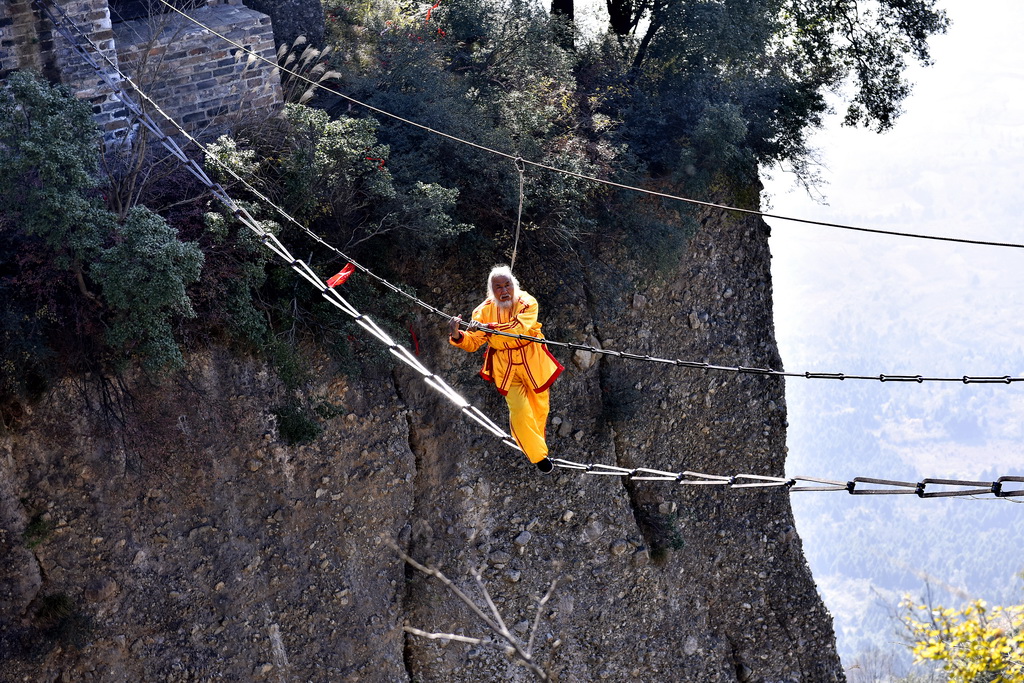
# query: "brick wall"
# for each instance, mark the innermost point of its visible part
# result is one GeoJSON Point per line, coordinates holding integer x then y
{"type": "Point", "coordinates": [27, 41]}
{"type": "Point", "coordinates": [198, 77]}
{"type": "Point", "coordinates": [21, 44]}
{"type": "Point", "coordinates": [194, 75]}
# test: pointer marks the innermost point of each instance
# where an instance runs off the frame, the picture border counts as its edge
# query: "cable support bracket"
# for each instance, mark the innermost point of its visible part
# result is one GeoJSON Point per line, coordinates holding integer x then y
{"type": "Point", "coordinates": [1005, 379]}
{"type": "Point", "coordinates": [825, 375]}
{"type": "Point", "coordinates": [900, 378]}
{"type": "Point", "coordinates": [901, 487]}
{"type": "Point", "coordinates": [756, 371]}
{"type": "Point", "coordinates": [1001, 492]}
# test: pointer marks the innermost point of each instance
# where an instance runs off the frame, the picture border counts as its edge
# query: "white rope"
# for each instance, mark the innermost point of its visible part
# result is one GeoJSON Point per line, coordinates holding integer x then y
{"type": "Point", "coordinates": [519, 217]}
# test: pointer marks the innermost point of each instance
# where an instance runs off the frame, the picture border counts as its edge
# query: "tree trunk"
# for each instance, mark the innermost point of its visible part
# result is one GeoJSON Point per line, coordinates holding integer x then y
{"type": "Point", "coordinates": [620, 16]}
{"type": "Point", "coordinates": [563, 9]}
{"type": "Point", "coordinates": [564, 14]}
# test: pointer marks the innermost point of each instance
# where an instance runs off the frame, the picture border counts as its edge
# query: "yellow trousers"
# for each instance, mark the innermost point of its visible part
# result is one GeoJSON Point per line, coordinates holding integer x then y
{"type": "Point", "coordinates": [527, 415]}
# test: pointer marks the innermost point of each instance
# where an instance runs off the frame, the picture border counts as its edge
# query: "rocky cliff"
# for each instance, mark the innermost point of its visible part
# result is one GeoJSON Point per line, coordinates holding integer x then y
{"type": "Point", "coordinates": [167, 533]}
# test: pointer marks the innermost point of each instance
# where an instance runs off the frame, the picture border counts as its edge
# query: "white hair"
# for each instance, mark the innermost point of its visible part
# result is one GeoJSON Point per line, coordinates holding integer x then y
{"type": "Point", "coordinates": [502, 271]}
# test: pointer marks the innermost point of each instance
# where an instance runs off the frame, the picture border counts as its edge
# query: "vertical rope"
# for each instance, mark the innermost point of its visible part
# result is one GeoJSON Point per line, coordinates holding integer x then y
{"type": "Point", "coordinates": [521, 167]}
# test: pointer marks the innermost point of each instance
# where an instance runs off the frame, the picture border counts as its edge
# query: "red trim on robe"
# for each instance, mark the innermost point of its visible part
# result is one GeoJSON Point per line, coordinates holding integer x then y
{"type": "Point", "coordinates": [547, 385]}
{"type": "Point", "coordinates": [487, 372]}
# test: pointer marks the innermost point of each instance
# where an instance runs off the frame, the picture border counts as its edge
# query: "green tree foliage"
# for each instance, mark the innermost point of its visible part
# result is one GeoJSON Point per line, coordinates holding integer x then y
{"type": "Point", "coordinates": [683, 90]}
{"type": "Point", "coordinates": [234, 272]}
{"type": "Point", "coordinates": [332, 174]}
{"type": "Point", "coordinates": [73, 272]}
{"type": "Point", "coordinates": [491, 73]}
{"type": "Point", "coordinates": [49, 169]}
{"type": "Point", "coordinates": [143, 276]}
{"type": "Point", "coordinates": [693, 66]}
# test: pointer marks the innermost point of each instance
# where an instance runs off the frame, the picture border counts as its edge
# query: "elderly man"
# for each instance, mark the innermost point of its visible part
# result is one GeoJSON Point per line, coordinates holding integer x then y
{"type": "Point", "coordinates": [522, 371]}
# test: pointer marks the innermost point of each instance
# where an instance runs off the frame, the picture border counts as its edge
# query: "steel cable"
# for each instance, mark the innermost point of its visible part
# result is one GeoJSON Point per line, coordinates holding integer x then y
{"type": "Point", "coordinates": [881, 377]}
{"type": "Point", "coordinates": [956, 488]}
{"type": "Point", "coordinates": [581, 176]}
{"type": "Point", "coordinates": [519, 215]}
{"type": "Point", "coordinates": [1000, 488]}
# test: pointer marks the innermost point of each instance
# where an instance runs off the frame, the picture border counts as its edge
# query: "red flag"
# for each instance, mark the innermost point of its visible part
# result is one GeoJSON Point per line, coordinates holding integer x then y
{"type": "Point", "coordinates": [415, 340]}
{"type": "Point", "coordinates": [342, 276]}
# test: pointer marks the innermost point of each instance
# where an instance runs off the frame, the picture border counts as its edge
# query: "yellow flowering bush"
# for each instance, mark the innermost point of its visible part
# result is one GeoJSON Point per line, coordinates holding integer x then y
{"type": "Point", "coordinates": [975, 644]}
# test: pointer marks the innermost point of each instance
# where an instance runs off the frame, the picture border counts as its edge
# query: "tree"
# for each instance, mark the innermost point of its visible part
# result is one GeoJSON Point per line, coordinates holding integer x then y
{"type": "Point", "coordinates": [49, 170]}
{"type": "Point", "coordinates": [975, 644]}
{"type": "Point", "coordinates": [523, 652]}
{"type": "Point", "coordinates": [774, 61]}
{"type": "Point", "coordinates": [143, 276]}
{"type": "Point", "coordinates": [493, 73]}
{"type": "Point", "coordinates": [333, 174]}
{"type": "Point", "coordinates": [131, 275]}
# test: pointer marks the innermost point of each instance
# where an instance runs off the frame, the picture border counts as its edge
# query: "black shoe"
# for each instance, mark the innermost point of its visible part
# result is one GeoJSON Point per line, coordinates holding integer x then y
{"type": "Point", "coordinates": [545, 466]}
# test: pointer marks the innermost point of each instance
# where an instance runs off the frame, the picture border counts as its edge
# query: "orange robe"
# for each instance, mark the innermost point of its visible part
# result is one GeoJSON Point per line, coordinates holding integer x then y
{"type": "Point", "coordinates": [522, 371]}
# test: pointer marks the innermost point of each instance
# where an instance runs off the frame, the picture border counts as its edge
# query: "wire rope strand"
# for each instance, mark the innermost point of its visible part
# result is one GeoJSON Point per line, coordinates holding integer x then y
{"type": "Point", "coordinates": [581, 176]}
{"type": "Point", "coordinates": [968, 489]}
{"type": "Point", "coordinates": [274, 244]}
{"type": "Point", "coordinates": [520, 165]}
{"type": "Point", "coordinates": [519, 216]}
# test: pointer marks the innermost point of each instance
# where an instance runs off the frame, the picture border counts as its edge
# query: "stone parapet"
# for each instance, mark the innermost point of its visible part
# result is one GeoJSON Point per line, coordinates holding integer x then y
{"type": "Point", "coordinates": [193, 74]}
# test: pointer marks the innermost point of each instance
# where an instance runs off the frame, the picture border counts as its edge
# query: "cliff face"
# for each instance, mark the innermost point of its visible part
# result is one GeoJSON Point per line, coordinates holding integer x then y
{"type": "Point", "coordinates": [182, 540]}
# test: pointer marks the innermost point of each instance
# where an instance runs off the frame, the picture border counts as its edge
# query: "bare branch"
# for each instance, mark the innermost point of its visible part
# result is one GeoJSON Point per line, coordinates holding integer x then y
{"type": "Point", "coordinates": [430, 571]}
{"type": "Point", "coordinates": [496, 624]}
{"type": "Point", "coordinates": [536, 618]}
{"type": "Point", "coordinates": [490, 603]}
{"type": "Point", "coordinates": [442, 636]}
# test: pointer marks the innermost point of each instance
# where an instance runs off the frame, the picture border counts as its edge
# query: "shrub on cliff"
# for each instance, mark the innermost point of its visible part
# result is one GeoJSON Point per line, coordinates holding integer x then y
{"type": "Point", "coordinates": [78, 280]}
{"type": "Point", "coordinates": [675, 91]}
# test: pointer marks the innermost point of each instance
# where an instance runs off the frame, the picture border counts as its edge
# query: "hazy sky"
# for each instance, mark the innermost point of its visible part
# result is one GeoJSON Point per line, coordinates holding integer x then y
{"type": "Point", "coordinates": [859, 303]}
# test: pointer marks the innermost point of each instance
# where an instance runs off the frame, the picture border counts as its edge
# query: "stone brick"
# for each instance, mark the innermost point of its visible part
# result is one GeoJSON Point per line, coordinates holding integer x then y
{"type": "Point", "coordinates": [190, 73]}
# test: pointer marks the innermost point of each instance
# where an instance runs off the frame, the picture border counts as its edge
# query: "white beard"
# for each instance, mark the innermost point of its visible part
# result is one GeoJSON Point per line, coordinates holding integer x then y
{"type": "Point", "coordinates": [505, 305]}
